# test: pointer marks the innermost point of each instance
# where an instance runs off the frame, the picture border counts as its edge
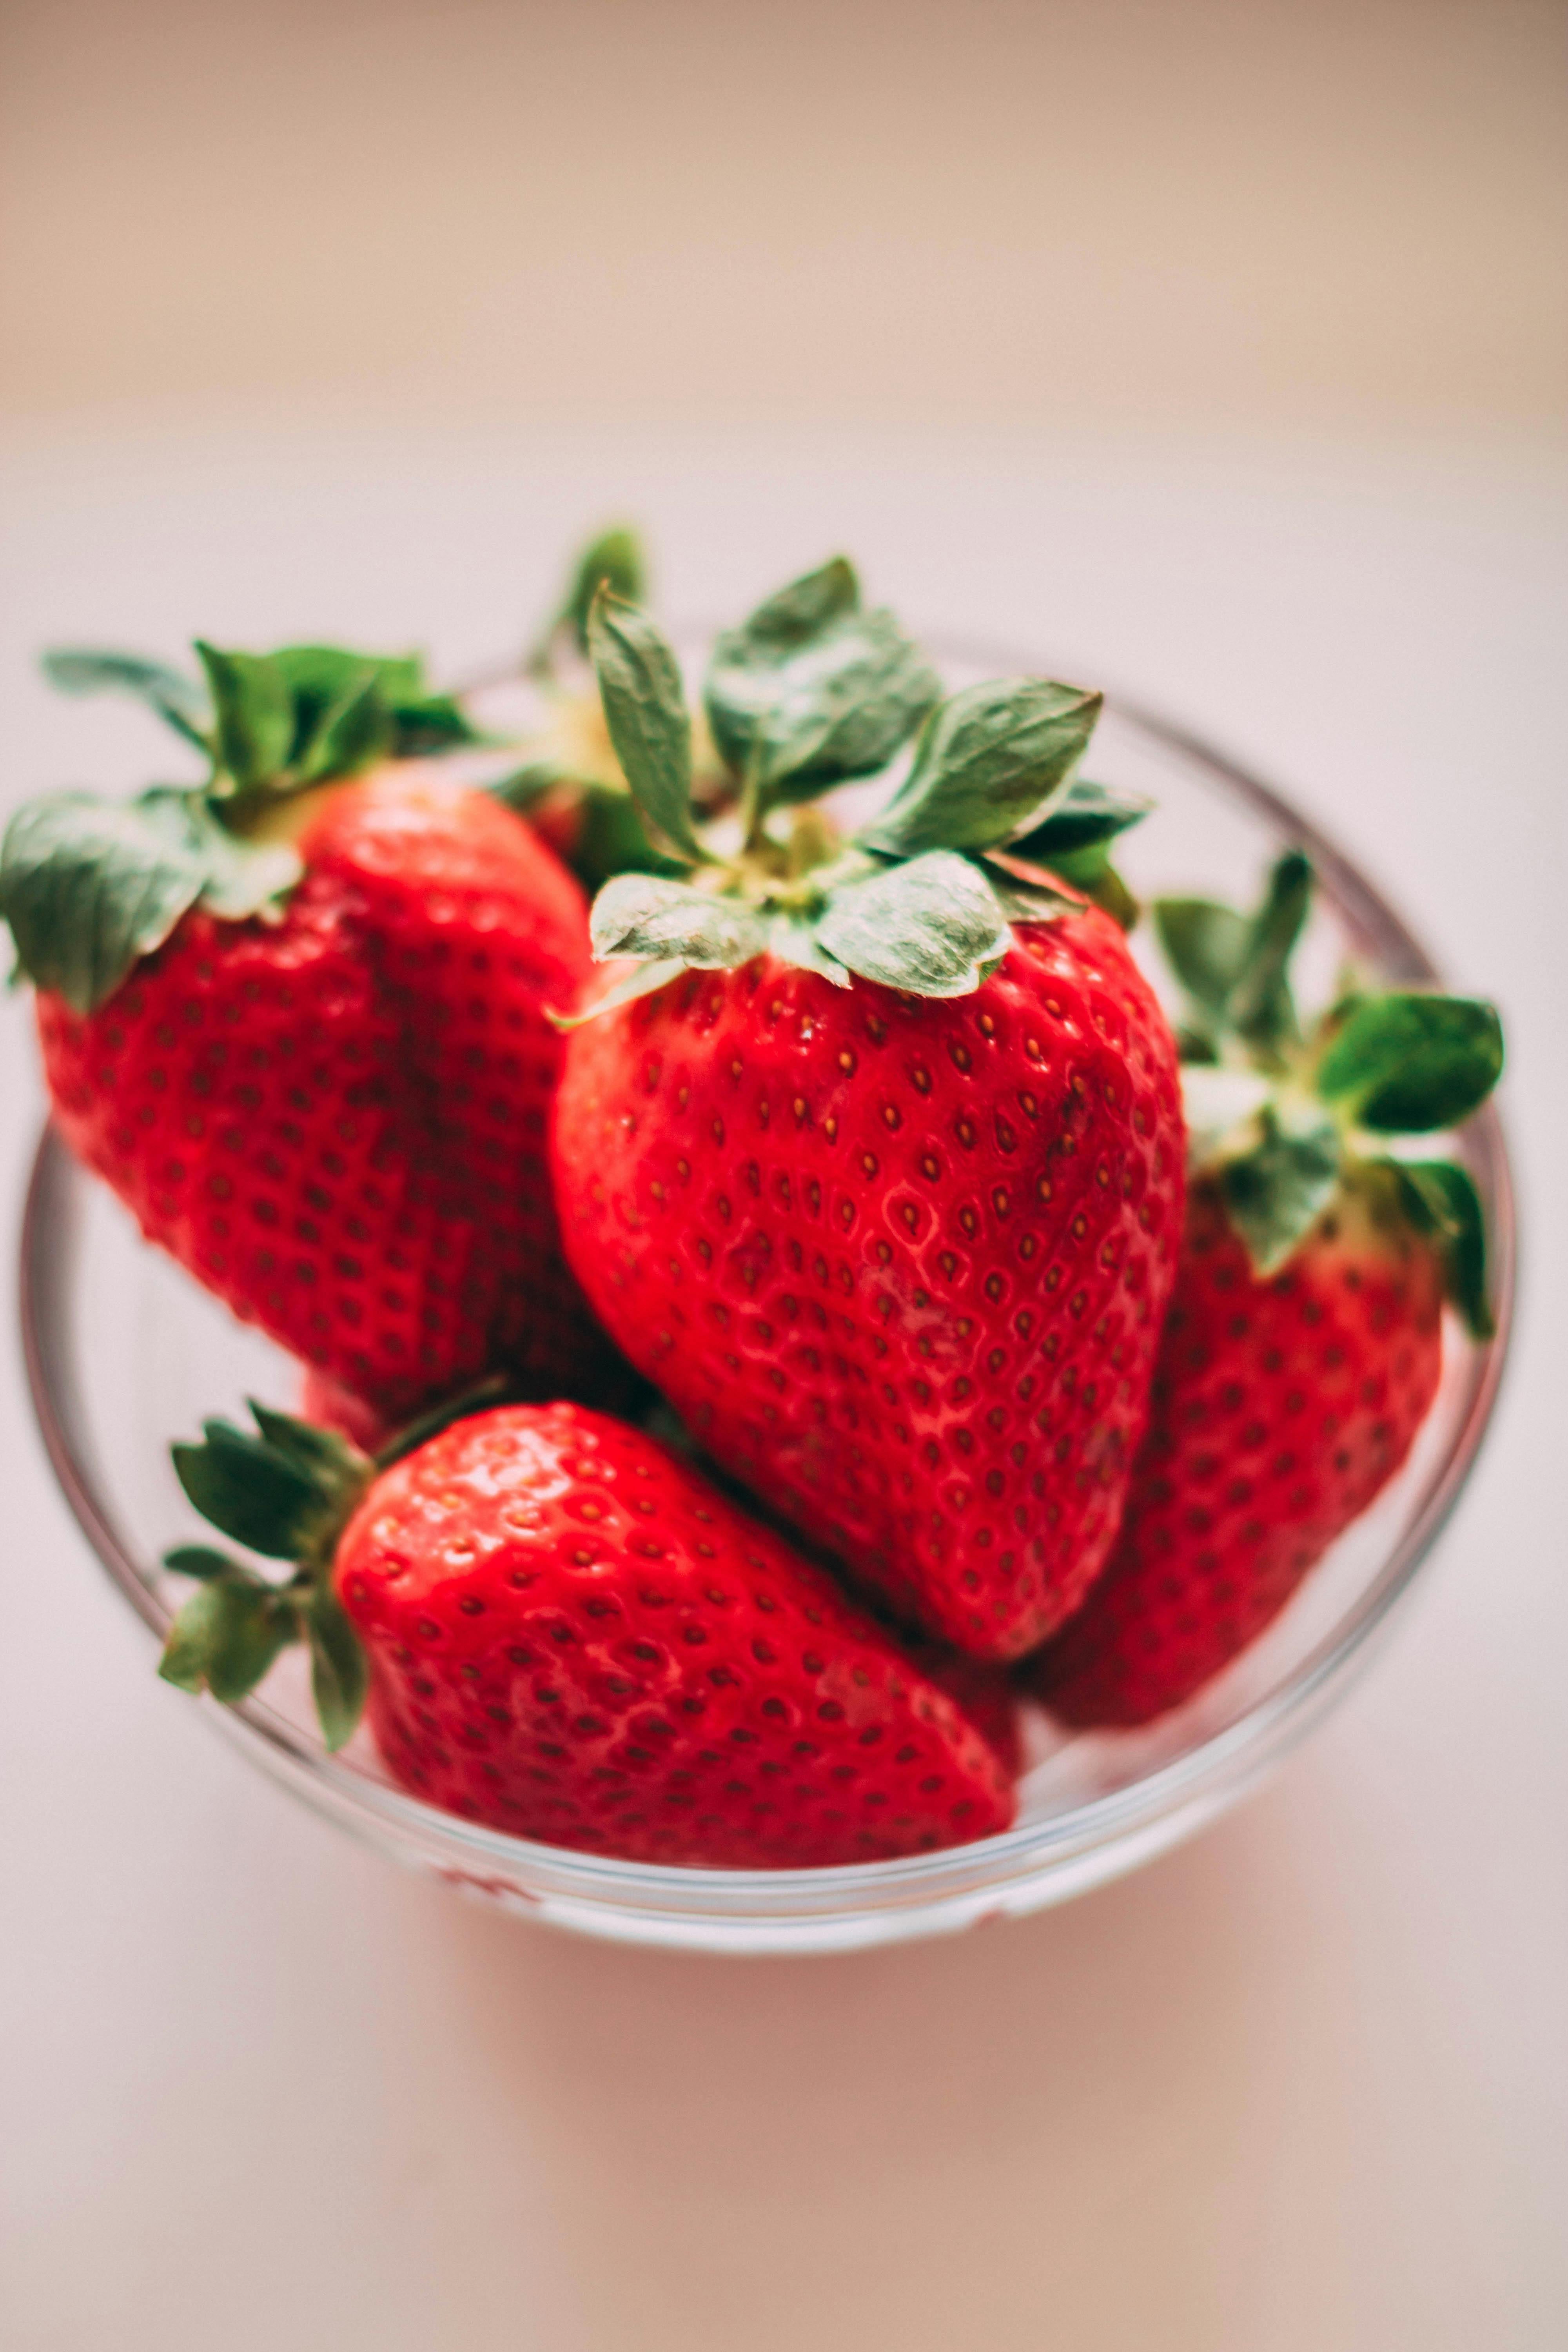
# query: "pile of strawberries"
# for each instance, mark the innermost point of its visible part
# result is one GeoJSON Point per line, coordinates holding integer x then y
{"type": "Point", "coordinates": [736, 1374]}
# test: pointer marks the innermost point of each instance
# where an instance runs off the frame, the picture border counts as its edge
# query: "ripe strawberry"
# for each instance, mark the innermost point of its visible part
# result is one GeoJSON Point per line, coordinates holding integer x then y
{"type": "Point", "coordinates": [899, 1252]}
{"type": "Point", "coordinates": [1304, 1342]}
{"type": "Point", "coordinates": [983, 1692]}
{"type": "Point", "coordinates": [299, 1026]}
{"type": "Point", "coordinates": [570, 1634]}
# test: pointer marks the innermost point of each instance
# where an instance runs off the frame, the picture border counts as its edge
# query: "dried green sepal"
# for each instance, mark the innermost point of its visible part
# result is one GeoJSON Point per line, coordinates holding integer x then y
{"type": "Point", "coordinates": [228, 1634]}
{"type": "Point", "coordinates": [284, 1492]}
{"type": "Point", "coordinates": [1441, 1201]}
{"type": "Point", "coordinates": [802, 608]}
{"type": "Point", "coordinates": [796, 940]}
{"type": "Point", "coordinates": [1205, 945]}
{"type": "Point", "coordinates": [340, 1671]}
{"type": "Point", "coordinates": [253, 711]}
{"type": "Point", "coordinates": [178, 701]}
{"type": "Point", "coordinates": [649, 915]}
{"type": "Point", "coordinates": [1395, 1062]}
{"type": "Point", "coordinates": [1088, 816]}
{"type": "Point", "coordinates": [1407, 1064]}
{"type": "Point", "coordinates": [615, 560]}
{"type": "Point", "coordinates": [989, 760]}
{"type": "Point", "coordinates": [644, 980]}
{"type": "Point", "coordinates": [812, 688]}
{"type": "Point", "coordinates": [933, 926]}
{"type": "Point", "coordinates": [1023, 899]}
{"type": "Point", "coordinates": [644, 710]}
{"type": "Point", "coordinates": [89, 886]}
{"type": "Point", "coordinates": [1234, 967]}
{"type": "Point", "coordinates": [1091, 871]}
{"type": "Point", "coordinates": [1260, 1007]}
{"type": "Point", "coordinates": [1277, 1191]}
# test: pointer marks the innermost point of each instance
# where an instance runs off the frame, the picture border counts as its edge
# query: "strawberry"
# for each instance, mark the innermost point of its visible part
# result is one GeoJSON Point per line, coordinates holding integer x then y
{"type": "Point", "coordinates": [874, 1162]}
{"type": "Point", "coordinates": [983, 1692]}
{"type": "Point", "coordinates": [1304, 1346]}
{"type": "Point", "coordinates": [295, 1018]}
{"type": "Point", "coordinates": [566, 1632]}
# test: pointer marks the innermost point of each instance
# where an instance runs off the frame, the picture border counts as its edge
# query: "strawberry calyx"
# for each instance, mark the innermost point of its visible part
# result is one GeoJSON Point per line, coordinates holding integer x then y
{"type": "Point", "coordinates": [614, 558]}
{"type": "Point", "coordinates": [1283, 1114]}
{"type": "Point", "coordinates": [814, 689]}
{"type": "Point", "coordinates": [89, 885]}
{"type": "Point", "coordinates": [286, 1491]}
{"type": "Point", "coordinates": [571, 787]}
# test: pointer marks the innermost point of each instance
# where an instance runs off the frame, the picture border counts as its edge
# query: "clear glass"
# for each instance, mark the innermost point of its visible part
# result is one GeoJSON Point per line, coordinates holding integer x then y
{"type": "Point", "coordinates": [124, 1352]}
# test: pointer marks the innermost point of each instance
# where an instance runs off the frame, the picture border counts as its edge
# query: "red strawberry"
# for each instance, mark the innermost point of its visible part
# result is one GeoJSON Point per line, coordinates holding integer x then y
{"type": "Point", "coordinates": [1281, 1407]}
{"type": "Point", "coordinates": [883, 1194]}
{"type": "Point", "coordinates": [572, 1635]}
{"type": "Point", "coordinates": [983, 1692]}
{"type": "Point", "coordinates": [899, 1262]}
{"type": "Point", "coordinates": [1283, 1400]}
{"type": "Point", "coordinates": [336, 1120]}
{"type": "Point", "coordinates": [301, 1028]}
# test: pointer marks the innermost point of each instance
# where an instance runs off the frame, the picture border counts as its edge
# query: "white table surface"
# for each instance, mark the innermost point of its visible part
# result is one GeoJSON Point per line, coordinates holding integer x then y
{"type": "Point", "coordinates": [1301, 2086]}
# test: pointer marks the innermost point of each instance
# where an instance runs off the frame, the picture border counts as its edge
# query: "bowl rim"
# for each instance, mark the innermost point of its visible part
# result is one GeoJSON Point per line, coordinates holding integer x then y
{"type": "Point", "coordinates": [1181, 1792]}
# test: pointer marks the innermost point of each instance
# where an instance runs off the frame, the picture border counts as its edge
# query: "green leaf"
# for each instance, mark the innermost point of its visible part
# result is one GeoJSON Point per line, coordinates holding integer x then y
{"type": "Point", "coordinates": [650, 916]}
{"type": "Point", "coordinates": [1260, 1007]}
{"type": "Point", "coordinates": [1022, 901]}
{"type": "Point", "coordinates": [805, 607]}
{"type": "Point", "coordinates": [228, 1635]}
{"type": "Point", "coordinates": [428, 723]}
{"type": "Point", "coordinates": [812, 689]}
{"type": "Point", "coordinates": [794, 940]}
{"type": "Point", "coordinates": [255, 706]}
{"type": "Point", "coordinates": [201, 1562]}
{"type": "Point", "coordinates": [1088, 816]}
{"type": "Point", "coordinates": [348, 734]}
{"type": "Point", "coordinates": [1443, 1204]}
{"type": "Point", "coordinates": [1091, 871]}
{"type": "Point", "coordinates": [1277, 1192]}
{"type": "Point", "coordinates": [986, 761]}
{"type": "Point", "coordinates": [352, 708]}
{"type": "Point", "coordinates": [178, 701]}
{"type": "Point", "coordinates": [339, 1676]}
{"type": "Point", "coordinates": [1405, 1064]}
{"type": "Point", "coordinates": [89, 886]}
{"type": "Point", "coordinates": [285, 1493]}
{"type": "Point", "coordinates": [644, 710]}
{"type": "Point", "coordinates": [933, 926]}
{"type": "Point", "coordinates": [1205, 945]}
{"type": "Point", "coordinates": [615, 560]}
{"type": "Point", "coordinates": [1234, 967]}
{"type": "Point", "coordinates": [339, 1469]}
{"type": "Point", "coordinates": [646, 979]}
{"type": "Point", "coordinates": [240, 876]}
{"type": "Point", "coordinates": [319, 676]}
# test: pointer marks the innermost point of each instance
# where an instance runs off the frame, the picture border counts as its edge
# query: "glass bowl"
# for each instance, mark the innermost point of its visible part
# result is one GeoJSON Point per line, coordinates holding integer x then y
{"type": "Point", "coordinates": [124, 1352]}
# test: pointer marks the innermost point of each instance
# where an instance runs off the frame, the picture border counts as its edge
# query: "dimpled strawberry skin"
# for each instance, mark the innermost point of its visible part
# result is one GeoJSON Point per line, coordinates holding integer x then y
{"type": "Point", "coordinates": [1280, 1408]}
{"type": "Point", "coordinates": [902, 1263]}
{"type": "Point", "coordinates": [337, 1121]}
{"type": "Point", "coordinates": [574, 1638]}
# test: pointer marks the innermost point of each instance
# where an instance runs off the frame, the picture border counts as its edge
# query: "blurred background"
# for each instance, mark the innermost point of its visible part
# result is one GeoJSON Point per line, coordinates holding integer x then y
{"type": "Point", "coordinates": [1345, 217]}
{"type": "Point", "coordinates": [1217, 350]}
